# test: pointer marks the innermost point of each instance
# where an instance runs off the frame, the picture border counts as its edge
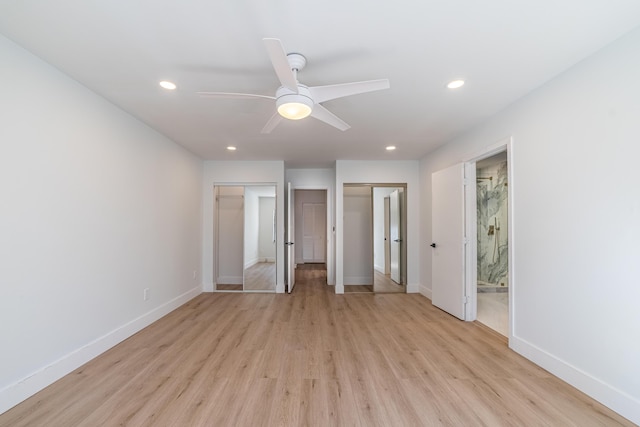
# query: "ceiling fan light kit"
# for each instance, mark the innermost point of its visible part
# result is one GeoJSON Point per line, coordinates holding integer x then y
{"type": "Point", "coordinates": [292, 105]}
{"type": "Point", "coordinates": [295, 101]}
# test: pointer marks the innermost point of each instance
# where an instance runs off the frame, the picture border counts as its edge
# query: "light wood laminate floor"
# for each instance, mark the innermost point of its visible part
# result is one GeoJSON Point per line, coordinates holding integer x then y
{"type": "Point", "coordinates": [493, 310]}
{"type": "Point", "coordinates": [310, 358]}
{"type": "Point", "coordinates": [259, 277]}
{"type": "Point", "coordinates": [382, 283]}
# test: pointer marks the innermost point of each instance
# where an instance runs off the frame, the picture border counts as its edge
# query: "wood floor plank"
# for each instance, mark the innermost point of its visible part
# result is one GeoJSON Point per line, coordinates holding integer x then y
{"type": "Point", "coordinates": [310, 358]}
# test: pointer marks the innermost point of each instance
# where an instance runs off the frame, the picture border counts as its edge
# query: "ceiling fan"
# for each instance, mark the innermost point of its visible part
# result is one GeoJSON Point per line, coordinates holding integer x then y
{"type": "Point", "coordinates": [296, 101]}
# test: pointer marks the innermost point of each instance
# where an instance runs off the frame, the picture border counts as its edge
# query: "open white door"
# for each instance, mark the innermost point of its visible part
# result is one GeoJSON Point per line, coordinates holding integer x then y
{"type": "Point", "coordinates": [395, 236]}
{"type": "Point", "coordinates": [448, 253]}
{"type": "Point", "coordinates": [289, 241]}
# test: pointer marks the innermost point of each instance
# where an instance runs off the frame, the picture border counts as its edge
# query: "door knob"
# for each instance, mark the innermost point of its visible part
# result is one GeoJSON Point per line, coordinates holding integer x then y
{"type": "Point", "coordinates": [433, 245]}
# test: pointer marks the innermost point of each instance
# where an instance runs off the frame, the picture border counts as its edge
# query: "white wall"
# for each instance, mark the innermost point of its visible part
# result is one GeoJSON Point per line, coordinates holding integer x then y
{"type": "Point", "coordinates": [381, 172]}
{"type": "Point", "coordinates": [320, 179]}
{"type": "Point", "coordinates": [95, 208]}
{"type": "Point", "coordinates": [245, 173]}
{"type": "Point", "coordinates": [576, 198]}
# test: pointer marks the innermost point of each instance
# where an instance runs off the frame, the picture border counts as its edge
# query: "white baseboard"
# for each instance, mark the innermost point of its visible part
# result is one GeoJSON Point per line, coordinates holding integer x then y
{"type": "Point", "coordinates": [230, 280]}
{"type": "Point", "coordinates": [250, 263]}
{"type": "Point", "coordinates": [617, 400]}
{"type": "Point", "coordinates": [358, 280]}
{"type": "Point", "coordinates": [413, 288]}
{"type": "Point", "coordinates": [425, 291]}
{"type": "Point", "coordinates": [30, 385]}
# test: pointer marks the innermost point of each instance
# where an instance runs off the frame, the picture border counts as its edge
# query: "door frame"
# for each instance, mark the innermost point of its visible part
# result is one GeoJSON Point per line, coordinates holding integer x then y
{"type": "Point", "coordinates": [329, 246]}
{"type": "Point", "coordinates": [470, 215]}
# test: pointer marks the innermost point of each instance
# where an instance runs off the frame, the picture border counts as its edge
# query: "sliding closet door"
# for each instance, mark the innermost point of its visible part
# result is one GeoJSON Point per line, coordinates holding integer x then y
{"type": "Point", "coordinates": [230, 237]}
{"type": "Point", "coordinates": [259, 238]}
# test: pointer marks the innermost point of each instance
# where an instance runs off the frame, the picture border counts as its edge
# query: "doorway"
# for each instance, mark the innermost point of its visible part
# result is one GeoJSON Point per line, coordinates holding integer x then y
{"type": "Point", "coordinates": [492, 244]}
{"type": "Point", "coordinates": [310, 217]}
{"type": "Point", "coordinates": [311, 214]}
{"type": "Point", "coordinates": [245, 238]}
{"type": "Point", "coordinates": [462, 238]}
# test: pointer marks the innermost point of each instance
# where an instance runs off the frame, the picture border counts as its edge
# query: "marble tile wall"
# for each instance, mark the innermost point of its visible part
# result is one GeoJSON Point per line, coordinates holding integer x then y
{"type": "Point", "coordinates": [492, 225]}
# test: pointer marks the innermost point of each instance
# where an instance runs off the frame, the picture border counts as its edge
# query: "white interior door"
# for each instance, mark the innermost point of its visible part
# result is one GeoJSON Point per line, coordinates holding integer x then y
{"type": "Point", "coordinates": [448, 256]}
{"type": "Point", "coordinates": [313, 232]}
{"type": "Point", "coordinates": [289, 241]}
{"type": "Point", "coordinates": [395, 236]}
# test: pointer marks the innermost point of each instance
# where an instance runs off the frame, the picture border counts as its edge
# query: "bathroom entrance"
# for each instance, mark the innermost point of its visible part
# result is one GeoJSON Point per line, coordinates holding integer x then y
{"type": "Point", "coordinates": [492, 242]}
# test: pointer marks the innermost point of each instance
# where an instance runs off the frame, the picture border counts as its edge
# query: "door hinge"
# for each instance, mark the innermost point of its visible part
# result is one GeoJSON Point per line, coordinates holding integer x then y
{"type": "Point", "coordinates": [465, 299]}
{"type": "Point", "coordinates": [465, 241]}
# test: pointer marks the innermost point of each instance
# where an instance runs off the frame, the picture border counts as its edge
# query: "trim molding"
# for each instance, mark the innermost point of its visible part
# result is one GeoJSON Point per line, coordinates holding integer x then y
{"type": "Point", "coordinates": [230, 280]}
{"type": "Point", "coordinates": [617, 400]}
{"type": "Point", "coordinates": [47, 375]}
{"type": "Point", "coordinates": [425, 291]}
{"type": "Point", "coordinates": [358, 280]}
{"type": "Point", "coordinates": [413, 288]}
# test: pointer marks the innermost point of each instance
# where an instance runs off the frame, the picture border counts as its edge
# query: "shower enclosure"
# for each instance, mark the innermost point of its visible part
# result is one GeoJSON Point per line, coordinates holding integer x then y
{"type": "Point", "coordinates": [491, 182]}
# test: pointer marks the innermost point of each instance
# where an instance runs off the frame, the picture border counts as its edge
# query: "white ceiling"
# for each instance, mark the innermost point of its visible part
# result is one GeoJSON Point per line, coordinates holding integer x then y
{"type": "Point", "coordinates": [502, 48]}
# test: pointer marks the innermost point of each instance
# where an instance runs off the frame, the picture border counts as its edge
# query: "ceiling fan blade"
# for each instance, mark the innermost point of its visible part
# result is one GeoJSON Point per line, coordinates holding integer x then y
{"type": "Point", "coordinates": [272, 123]}
{"type": "Point", "coordinates": [228, 95]}
{"type": "Point", "coordinates": [324, 115]}
{"type": "Point", "coordinates": [329, 92]}
{"type": "Point", "coordinates": [281, 64]}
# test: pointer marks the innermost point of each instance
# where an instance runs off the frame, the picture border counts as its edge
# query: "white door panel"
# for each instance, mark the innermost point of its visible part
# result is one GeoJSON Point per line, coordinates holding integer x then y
{"type": "Point", "coordinates": [448, 257]}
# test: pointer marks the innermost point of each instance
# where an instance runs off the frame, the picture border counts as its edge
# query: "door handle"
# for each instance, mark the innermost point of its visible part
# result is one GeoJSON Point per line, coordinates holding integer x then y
{"type": "Point", "coordinates": [288, 243]}
{"type": "Point", "coordinates": [433, 245]}
{"type": "Point", "coordinates": [398, 240]}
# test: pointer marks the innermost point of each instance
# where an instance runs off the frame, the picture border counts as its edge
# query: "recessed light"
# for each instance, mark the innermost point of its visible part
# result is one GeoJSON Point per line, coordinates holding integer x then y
{"type": "Point", "coordinates": [390, 147]}
{"type": "Point", "coordinates": [231, 148]}
{"type": "Point", "coordinates": [167, 85]}
{"type": "Point", "coordinates": [455, 84]}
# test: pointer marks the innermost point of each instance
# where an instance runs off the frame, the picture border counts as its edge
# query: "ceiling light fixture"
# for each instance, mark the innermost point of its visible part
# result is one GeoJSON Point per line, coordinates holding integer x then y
{"type": "Point", "coordinates": [231, 148]}
{"type": "Point", "coordinates": [455, 84]}
{"type": "Point", "coordinates": [294, 106]}
{"type": "Point", "coordinates": [390, 148]}
{"type": "Point", "coordinates": [167, 85]}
